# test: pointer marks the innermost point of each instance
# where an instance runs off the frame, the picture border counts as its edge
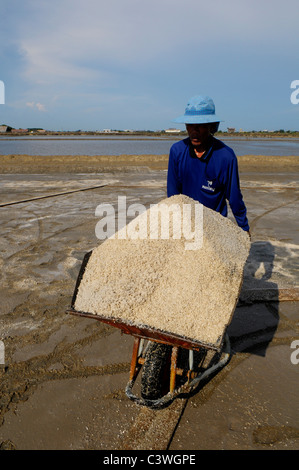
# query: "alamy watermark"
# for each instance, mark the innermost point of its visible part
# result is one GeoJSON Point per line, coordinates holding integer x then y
{"type": "Point", "coordinates": [295, 354]}
{"type": "Point", "coordinates": [295, 94]}
{"type": "Point", "coordinates": [161, 221]}
{"type": "Point", "coordinates": [2, 92]}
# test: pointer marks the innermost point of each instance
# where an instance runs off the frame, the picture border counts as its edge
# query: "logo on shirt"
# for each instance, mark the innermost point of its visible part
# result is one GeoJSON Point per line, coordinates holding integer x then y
{"type": "Point", "coordinates": [209, 187]}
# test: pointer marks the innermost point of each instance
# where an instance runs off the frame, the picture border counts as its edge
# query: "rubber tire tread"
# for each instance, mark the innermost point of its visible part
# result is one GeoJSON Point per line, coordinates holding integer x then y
{"type": "Point", "coordinates": [155, 371]}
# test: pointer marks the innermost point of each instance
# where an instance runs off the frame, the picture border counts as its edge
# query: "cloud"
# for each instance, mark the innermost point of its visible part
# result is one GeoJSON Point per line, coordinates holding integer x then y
{"type": "Point", "coordinates": [77, 41]}
{"type": "Point", "coordinates": [75, 55]}
{"type": "Point", "coordinates": [38, 106]}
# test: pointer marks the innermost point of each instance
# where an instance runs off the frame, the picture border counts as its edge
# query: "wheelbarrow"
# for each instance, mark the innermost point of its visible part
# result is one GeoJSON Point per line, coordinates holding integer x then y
{"type": "Point", "coordinates": [170, 364]}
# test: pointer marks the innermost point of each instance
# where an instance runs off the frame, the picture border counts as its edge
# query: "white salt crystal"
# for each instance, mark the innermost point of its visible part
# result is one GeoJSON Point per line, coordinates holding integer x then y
{"type": "Point", "coordinates": [161, 284]}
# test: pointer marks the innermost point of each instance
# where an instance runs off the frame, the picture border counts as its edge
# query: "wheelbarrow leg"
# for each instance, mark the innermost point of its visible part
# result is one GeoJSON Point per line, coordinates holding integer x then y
{"type": "Point", "coordinates": [173, 369]}
{"type": "Point", "coordinates": [134, 360]}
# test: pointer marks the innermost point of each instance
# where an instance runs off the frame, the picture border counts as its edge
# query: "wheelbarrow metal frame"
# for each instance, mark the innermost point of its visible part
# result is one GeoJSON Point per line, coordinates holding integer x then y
{"type": "Point", "coordinates": [141, 333]}
{"type": "Point", "coordinates": [192, 382]}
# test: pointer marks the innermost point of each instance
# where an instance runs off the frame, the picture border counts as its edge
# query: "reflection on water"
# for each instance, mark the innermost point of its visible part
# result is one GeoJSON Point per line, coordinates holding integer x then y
{"type": "Point", "coordinates": [82, 145]}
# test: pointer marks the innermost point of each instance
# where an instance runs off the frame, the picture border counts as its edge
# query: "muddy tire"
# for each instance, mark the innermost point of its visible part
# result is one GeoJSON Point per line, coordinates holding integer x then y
{"type": "Point", "coordinates": [156, 371]}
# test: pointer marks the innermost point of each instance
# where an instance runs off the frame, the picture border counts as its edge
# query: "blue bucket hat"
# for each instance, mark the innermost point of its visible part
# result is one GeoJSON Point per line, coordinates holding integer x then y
{"type": "Point", "coordinates": [200, 110]}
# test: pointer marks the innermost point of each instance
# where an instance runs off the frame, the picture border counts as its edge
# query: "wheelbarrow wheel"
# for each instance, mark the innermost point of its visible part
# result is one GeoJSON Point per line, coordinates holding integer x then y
{"type": "Point", "coordinates": [156, 371]}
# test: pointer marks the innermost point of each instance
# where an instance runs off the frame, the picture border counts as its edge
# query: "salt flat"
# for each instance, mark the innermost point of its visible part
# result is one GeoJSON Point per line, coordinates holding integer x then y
{"type": "Point", "coordinates": [64, 377]}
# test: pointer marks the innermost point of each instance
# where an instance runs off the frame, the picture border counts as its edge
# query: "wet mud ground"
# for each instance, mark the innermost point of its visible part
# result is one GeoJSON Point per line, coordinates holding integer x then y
{"type": "Point", "coordinates": [63, 377]}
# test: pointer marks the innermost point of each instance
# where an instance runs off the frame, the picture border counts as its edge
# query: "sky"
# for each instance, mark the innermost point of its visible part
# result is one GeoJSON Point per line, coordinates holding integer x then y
{"type": "Point", "coordinates": [131, 64]}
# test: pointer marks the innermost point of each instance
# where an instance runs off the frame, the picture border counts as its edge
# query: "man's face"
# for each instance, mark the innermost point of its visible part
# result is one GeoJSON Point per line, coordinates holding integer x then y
{"type": "Point", "coordinates": [198, 133]}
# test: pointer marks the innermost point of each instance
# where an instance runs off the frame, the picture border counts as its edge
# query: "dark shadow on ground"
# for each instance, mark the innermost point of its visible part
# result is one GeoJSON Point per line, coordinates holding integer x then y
{"type": "Point", "coordinates": [256, 317]}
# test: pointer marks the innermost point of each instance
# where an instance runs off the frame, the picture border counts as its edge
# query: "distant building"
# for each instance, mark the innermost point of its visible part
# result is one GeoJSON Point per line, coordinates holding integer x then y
{"type": "Point", "coordinates": [19, 131]}
{"type": "Point", "coordinates": [172, 131]}
{"type": "Point", "coordinates": [5, 128]}
{"type": "Point", "coordinates": [230, 130]}
{"type": "Point", "coordinates": [36, 129]}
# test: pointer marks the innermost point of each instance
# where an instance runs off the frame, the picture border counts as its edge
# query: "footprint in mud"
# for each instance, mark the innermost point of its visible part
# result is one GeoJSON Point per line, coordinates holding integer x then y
{"type": "Point", "coordinates": [268, 435]}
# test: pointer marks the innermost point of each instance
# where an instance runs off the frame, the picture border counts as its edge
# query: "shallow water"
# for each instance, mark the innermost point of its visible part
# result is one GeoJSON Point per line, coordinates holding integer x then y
{"type": "Point", "coordinates": [82, 145]}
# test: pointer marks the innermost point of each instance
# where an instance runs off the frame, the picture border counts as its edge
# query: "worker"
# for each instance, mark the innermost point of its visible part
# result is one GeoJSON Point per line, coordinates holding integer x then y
{"type": "Point", "coordinates": [204, 168]}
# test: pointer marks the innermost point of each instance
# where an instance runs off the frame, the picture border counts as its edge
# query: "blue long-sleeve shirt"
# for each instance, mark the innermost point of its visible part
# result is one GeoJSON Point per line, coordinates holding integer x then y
{"type": "Point", "coordinates": [211, 179]}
